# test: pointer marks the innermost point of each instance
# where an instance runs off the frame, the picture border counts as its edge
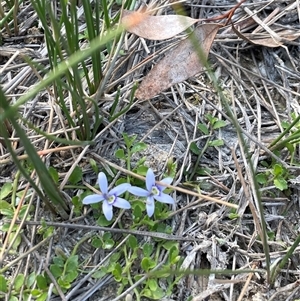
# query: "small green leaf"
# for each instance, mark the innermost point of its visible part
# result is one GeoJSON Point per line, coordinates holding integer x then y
{"type": "Point", "coordinates": [120, 181]}
{"type": "Point", "coordinates": [56, 270]}
{"type": "Point", "coordinates": [17, 240]}
{"type": "Point", "coordinates": [99, 274]}
{"type": "Point", "coordinates": [261, 178]}
{"type": "Point", "coordinates": [142, 170]}
{"type": "Point", "coordinates": [19, 281]}
{"type": "Point", "coordinates": [233, 215]}
{"type": "Point", "coordinates": [203, 128]}
{"type": "Point", "coordinates": [147, 249]}
{"type": "Point", "coordinates": [7, 212]}
{"type": "Point", "coordinates": [72, 263]}
{"type": "Point", "coordinates": [108, 244]}
{"type": "Point", "coordinates": [147, 293]}
{"type": "Point", "coordinates": [117, 272]}
{"type": "Point", "coordinates": [285, 124]}
{"type": "Point", "coordinates": [23, 210]}
{"type": "Point", "coordinates": [137, 213]}
{"type": "Point", "coordinates": [171, 168]}
{"type": "Point", "coordinates": [219, 124]}
{"type": "Point", "coordinates": [106, 235]}
{"type": "Point", "coordinates": [120, 154]}
{"type": "Point", "coordinates": [194, 149]}
{"type": "Point", "coordinates": [30, 280]}
{"type": "Point", "coordinates": [277, 170]}
{"type": "Point", "coordinates": [280, 183]}
{"type": "Point", "coordinates": [76, 175]}
{"type": "Point", "coordinates": [103, 222]}
{"type": "Point", "coordinates": [129, 140]}
{"type": "Point", "coordinates": [64, 284]}
{"type": "Point", "coordinates": [41, 282]}
{"type": "Point", "coordinates": [115, 257]}
{"type": "Point", "coordinates": [132, 241]}
{"type": "Point", "coordinates": [96, 242]}
{"type": "Point", "coordinates": [153, 295]}
{"type": "Point", "coordinates": [35, 292]}
{"type": "Point", "coordinates": [54, 174]}
{"type": "Point", "coordinates": [203, 171]}
{"type": "Point", "coordinates": [290, 147]}
{"type": "Point", "coordinates": [42, 297]}
{"type": "Point", "coordinates": [138, 147]}
{"type": "Point", "coordinates": [3, 284]}
{"type": "Point", "coordinates": [211, 119]}
{"type": "Point", "coordinates": [5, 190]}
{"type": "Point", "coordinates": [14, 298]}
{"type": "Point", "coordinates": [175, 259]}
{"type": "Point", "coordinates": [71, 275]}
{"type": "Point", "coordinates": [137, 277]}
{"type": "Point", "coordinates": [4, 205]}
{"type": "Point", "coordinates": [264, 164]}
{"type": "Point", "coordinates": [147, 264]}
{"type": "Point", "coordinates": [173, 254]}
{"type": "Point", "coordinates": [48, 232]}
{"type": "Point", "coordinates": [170, 244]}
{"type": "Point", "coordinates": [124, 281]}
{"type": "Point", "coordinates": [59, 261]}
{"type": "Point", "coordinates": [218, 142]}
{"type": "Point", "coordinates": [271, 235]}
{"type": "Point", "coordinates": [94, 166]}
{"type": "Point", "coordinates": [152, 283]}
{"type": "Point", "coordinates": [5, 227]}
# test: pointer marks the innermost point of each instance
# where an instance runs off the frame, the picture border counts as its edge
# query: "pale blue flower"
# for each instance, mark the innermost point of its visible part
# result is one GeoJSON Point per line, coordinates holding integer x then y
{"type": "Point", "coordinates": [109, 198]}
{"type": "Point", "coordinates": [154, 191]}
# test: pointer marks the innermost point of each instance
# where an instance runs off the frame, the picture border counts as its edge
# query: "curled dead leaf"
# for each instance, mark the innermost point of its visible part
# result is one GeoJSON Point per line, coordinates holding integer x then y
{"type": "Point", "coordinates": [155, 27]}
{"type": "Point", "coordinates": [180, 64]}
{"type": "Point", "coordinates": [286, 36]}
{"type": "Point", "coordinates": [278, 38]}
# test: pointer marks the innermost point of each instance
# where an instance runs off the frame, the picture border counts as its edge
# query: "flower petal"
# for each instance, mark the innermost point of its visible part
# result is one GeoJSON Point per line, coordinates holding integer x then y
{"type": "Point", "coordinates": [150, 179]}
{"type": "Point", "coordinates": [150, 206]}
{"type": "Point", "coordinates": [107, 210]}
{"type": "Point", "coordinates": [102, 180]}
{"type": "Point", "coordinates": [118, 190]}
{"type": "Point", "coordinates": [138, 191]}
{"type": "Point", "coordinates": [164, 198]}
{"type": "Point", "coordinates": [167, 181]}
{"type": "Point", "coordinates": [92, 199]}
{"type": "Point", "coordinates": [121, 203]}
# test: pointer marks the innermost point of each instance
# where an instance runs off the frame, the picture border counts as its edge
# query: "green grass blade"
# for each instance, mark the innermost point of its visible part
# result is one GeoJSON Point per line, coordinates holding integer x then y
{"type": "Point", "coordinates": [47, 183]}
{"type": "Point", "coordinates": [60, 70]}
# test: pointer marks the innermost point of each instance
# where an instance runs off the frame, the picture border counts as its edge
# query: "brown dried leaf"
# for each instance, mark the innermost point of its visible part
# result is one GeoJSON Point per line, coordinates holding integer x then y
{"type": "Point", "coordinates": [155, 27]}
{"type": "Point", "coordinates": [286, 36]}
{"type": "Point", "coordinates": [265, 39]}
{"type": "Point", "coordinates": [180, 64]}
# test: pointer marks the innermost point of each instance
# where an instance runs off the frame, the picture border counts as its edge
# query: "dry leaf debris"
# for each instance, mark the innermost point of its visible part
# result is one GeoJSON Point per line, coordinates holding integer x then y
{"type": "Point", "coordinates": [180, 64]}
{"type": "Point", "coordinates": [156, 27]}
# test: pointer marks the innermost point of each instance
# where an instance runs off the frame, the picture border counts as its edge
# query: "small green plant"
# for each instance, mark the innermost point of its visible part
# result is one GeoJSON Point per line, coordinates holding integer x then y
{"type": "Point", "coordinates": [276, 174]}
{"type": "Point", "coordinates": [31, 285]}
{"type": "Point", "coordinates": [289, 138]}
{"type": "Point", "coordinates": [10, 209]}
{"type": "Point", "coordinates": [65, 270]}
{"type": "Point", "coordinates": [141, 258]}
{"type": "Point", "coordinates": [213, 124]}
{"type": "Point", "coordinates": [132, 147]}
